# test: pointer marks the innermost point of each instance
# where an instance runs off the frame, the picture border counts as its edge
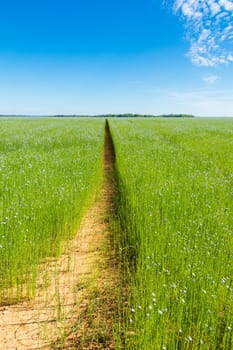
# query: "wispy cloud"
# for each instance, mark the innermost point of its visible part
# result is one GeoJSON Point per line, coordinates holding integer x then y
{"type": "Point", "coordinates": [201, 102]}
{"type": "Point", "coordinates": [209, 28]}
{"type": "Point", "coordinates": [210, 79]}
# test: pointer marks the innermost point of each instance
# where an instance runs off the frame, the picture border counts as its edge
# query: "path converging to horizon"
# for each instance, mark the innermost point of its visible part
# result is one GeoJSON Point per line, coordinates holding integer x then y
{"type": "Point", "coordinates": [61, 311]}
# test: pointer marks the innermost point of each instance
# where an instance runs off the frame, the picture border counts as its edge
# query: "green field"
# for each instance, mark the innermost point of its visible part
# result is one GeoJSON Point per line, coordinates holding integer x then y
{"type": "Point", "coordinates": [50, 170]}
{"type": "Point", "coordinates": [175, 181]}
{"type": "Point", "coordinates": [174, 206]}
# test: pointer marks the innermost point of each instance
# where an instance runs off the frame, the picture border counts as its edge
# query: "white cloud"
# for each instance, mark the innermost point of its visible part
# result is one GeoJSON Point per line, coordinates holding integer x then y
{"type": "Point", "coordinates": [230, 58]}
{"type": "Point", "coordinates": [228, 5]}
{"type": "Point", "coordinates": [210, 79]}
{"type": "Point", "coordinates": [214, 7]}
{"type": "Point", "coordinates": [200, 102]}
{"type": "Point", "coordinates": [209, 25]}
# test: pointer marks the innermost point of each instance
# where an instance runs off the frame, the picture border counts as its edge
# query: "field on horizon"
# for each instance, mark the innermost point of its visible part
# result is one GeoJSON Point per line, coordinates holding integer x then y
{"type": "Point", "coordinates": [174, 208]}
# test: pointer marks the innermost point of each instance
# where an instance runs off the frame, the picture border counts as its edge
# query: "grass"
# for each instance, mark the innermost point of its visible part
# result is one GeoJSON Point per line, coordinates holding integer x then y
{"type": "Point", "coordinates": [50, 169]}
{"type": "Point", "coordinates": [175, 207]}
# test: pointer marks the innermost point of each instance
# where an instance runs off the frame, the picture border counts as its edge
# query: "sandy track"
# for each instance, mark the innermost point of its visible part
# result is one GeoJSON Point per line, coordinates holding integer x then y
{"type": "Point", "coordinates": [49, 316]}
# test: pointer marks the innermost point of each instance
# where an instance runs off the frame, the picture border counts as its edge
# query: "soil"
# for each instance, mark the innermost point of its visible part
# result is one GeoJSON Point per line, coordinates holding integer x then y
{"type": "Point", "coordinates": [76, 297]}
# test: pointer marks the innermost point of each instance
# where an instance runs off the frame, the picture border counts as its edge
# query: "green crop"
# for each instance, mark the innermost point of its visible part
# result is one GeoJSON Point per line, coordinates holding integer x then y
{"type": "Point", "coordinates": [175, 206]}
{"type": "Point", "coordinates": [49, 170]}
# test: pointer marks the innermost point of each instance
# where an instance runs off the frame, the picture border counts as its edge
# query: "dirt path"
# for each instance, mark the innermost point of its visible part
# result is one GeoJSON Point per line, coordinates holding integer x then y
{"type": "Point", "coordinates": [74, 305]}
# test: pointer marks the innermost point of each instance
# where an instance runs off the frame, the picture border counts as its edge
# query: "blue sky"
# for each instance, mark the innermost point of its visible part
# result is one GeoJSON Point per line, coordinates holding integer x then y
{"type": "Point", "coordinates": [116, 56]}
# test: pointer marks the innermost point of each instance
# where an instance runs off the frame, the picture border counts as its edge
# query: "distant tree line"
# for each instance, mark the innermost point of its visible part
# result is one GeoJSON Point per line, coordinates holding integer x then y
{"type": "Point", "coordinates": [177, 116]}
{"type": "Point", "coordinates": [131, 115]}
{"type": "Point", "coordinates": [126, 115]}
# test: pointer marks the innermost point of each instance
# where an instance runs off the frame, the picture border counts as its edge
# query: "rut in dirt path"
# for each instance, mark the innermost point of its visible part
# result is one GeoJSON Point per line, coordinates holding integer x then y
{"type": "Point", "coordinates": [77, 295]}
{"type": "Point", "coordinates": [94, 326]}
